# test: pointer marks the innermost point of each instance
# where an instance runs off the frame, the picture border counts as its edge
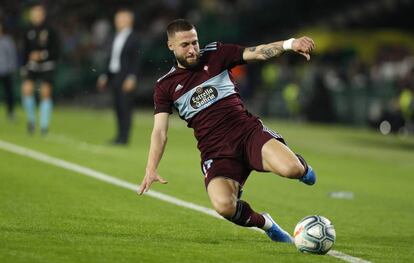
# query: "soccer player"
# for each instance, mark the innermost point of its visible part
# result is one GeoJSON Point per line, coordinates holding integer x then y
{"type": "Point", "coordinates": [232, 141]}
{"type": "Point", "coordinates": [40, 55]}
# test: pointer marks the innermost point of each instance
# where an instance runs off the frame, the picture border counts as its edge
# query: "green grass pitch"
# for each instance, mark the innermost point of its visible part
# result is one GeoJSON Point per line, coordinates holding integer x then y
{"type": "Point", "coordinates": [48, 214]}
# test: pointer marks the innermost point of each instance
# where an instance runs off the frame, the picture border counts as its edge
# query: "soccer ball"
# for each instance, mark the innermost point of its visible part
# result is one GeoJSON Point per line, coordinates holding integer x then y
{"type": "Point", "coordinates": [314, 234]}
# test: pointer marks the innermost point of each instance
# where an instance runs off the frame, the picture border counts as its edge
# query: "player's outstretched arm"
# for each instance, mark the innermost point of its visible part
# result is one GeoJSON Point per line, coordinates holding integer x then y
{"type": "Point", "coordinates": [158, 142]}
{"type": "Point", "coordinates": [303, 46]}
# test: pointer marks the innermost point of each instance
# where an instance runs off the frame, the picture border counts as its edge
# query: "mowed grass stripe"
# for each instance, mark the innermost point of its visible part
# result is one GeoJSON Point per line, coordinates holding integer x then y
{"type": "Point", "coordinates": [95, 222]}
{"type": "Point", "coordinates": [49, 214]}
{"type": "Point", "coordinates": [377, 169]}
{"type": "Point", "coordinates": [121, 183]}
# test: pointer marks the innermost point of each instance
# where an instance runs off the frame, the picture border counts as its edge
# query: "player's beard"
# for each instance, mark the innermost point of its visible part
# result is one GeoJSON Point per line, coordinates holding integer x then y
{"type": "Point", "coordinates": [186, 64]}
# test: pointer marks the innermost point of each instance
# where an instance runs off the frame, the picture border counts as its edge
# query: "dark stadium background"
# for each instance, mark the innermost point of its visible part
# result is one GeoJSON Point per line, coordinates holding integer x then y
{"type": "Point", "coordinates": [361, 73]}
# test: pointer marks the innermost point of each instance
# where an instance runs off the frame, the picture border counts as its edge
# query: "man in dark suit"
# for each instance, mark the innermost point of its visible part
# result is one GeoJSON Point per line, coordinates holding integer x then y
{"type": "Point", "coordinates": [121, 74]}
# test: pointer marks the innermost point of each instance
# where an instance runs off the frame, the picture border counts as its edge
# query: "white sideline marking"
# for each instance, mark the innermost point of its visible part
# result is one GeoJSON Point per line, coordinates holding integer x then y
{"type": "Point", "coordinates": [346, 257]}
{"type": "Point", "coordinates": [6, 146]}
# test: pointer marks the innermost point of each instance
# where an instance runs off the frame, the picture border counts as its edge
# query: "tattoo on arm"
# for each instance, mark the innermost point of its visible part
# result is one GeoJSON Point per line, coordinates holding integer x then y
{"type": "Point", "coordinates": [263, 52]}
{"type": "Point", "coordinates": [271, 51]}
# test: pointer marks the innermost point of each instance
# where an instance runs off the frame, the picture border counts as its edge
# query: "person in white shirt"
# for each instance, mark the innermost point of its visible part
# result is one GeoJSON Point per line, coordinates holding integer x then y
{"type": "Point", "coordinates": [121, 74]}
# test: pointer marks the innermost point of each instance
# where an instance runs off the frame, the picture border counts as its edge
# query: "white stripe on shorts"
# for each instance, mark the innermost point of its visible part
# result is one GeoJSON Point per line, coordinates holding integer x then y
{"type": "Point", "coordinates": [271, 132]}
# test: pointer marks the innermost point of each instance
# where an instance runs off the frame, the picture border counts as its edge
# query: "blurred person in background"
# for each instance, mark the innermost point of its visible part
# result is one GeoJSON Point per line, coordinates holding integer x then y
{"type": "Point", "coordinates": [121, 73]}
{"type": "Point", "coordinates": [8, 65]}
{"type": "Point", "coordinates": [41, 46]}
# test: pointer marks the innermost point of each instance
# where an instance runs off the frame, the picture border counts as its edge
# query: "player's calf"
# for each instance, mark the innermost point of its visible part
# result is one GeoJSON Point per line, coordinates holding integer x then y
{"type": "Point", "coordinates": [224, 195]}
{"type": "Point", "coordinates": [245, 216]}
{"type": "Point", "coordinates": [237, 211]}
{"type": "Point", "coordinates": [292, 169]}
{"type": "Point", "coordinates": [309, 176]}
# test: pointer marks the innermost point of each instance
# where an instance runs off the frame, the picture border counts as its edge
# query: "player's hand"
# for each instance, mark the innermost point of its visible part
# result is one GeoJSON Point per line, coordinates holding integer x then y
{"type": "Point", "coordinates": [34, 56]}
{"type": "Point", "coordinates": [128, 85]}
{"type": "Point", "coordinates": [303, 46]}
{"type": "Point", "coordinates": [101, 83]}
{"type": "Point", "coordinates": [150, 177]}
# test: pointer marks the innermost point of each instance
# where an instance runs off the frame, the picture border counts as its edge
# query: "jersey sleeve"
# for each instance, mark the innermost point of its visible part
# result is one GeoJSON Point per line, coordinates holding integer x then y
{"type": "Point", "coordinates": [231, 54]}
{"type": "Point", "coordinates": [162, 100]}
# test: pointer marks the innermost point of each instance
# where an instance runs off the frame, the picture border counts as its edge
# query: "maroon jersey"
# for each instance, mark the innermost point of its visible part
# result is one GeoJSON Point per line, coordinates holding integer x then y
{"type": "Point", "coordinates": [207, 98]}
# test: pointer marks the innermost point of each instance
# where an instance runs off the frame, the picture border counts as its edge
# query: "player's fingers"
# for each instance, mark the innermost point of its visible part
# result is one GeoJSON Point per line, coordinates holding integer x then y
{"type": "Point", "coordinates": [313, 43]}
{"type": "Point", "coordinates": [309, 40]}
{"type": "Point", "coordinates": [308, 44]}
{"type": "Point", "coordinates": [307, 48]}
{"type": "Point", "coordinates": [144, 186]}
{"type": "Point", "coordinates": [304, 46]}
{"type": "Point", "coordinates": [304, 50]}
{"type": "Point", "coordinates": [141, 189]}
{"type": "Point", "coordinates": [306, 55]}
{"type": "Point", "coordinates": [148, 185]}
{"type": "Point", "coordinates": [162, 180]}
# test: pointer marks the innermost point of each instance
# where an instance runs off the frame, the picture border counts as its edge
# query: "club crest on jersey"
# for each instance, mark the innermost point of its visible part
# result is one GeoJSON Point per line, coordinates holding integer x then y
{"type": "Point", "coordinates": [203, 96]}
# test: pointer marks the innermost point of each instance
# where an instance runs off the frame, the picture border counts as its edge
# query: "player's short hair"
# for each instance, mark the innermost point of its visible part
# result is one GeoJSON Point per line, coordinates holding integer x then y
{"type": "Point", "coordinates": [178, 25]}
{"type": "Point", "coordinates": [126, 10]}
{"type": "Point", "coordinates": [36, 4]}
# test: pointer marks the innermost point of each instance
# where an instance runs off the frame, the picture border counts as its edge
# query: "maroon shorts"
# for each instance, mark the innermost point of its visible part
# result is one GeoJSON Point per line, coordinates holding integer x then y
{"type": "Point", "coordinates": [239, 168]}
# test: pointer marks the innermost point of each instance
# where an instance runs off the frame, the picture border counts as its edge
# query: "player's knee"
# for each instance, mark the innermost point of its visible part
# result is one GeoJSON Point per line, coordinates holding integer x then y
{"type": "Point", "coordinates": [27, 88]}
{"type": "Point", "coordinates": [225, 207]}
{"type": "Point", "coordinates": [45, 91]}
{"type": "Point", "coordinates": [292, 169]}
{"type": "Point", "coordinates": [45, 96]}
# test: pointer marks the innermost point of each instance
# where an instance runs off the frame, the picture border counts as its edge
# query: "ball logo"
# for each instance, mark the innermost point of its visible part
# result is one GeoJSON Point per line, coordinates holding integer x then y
{"type": "Point", "coordinates": [298, 231]}
{"type": "Point", "coordinates": [203, 96]}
